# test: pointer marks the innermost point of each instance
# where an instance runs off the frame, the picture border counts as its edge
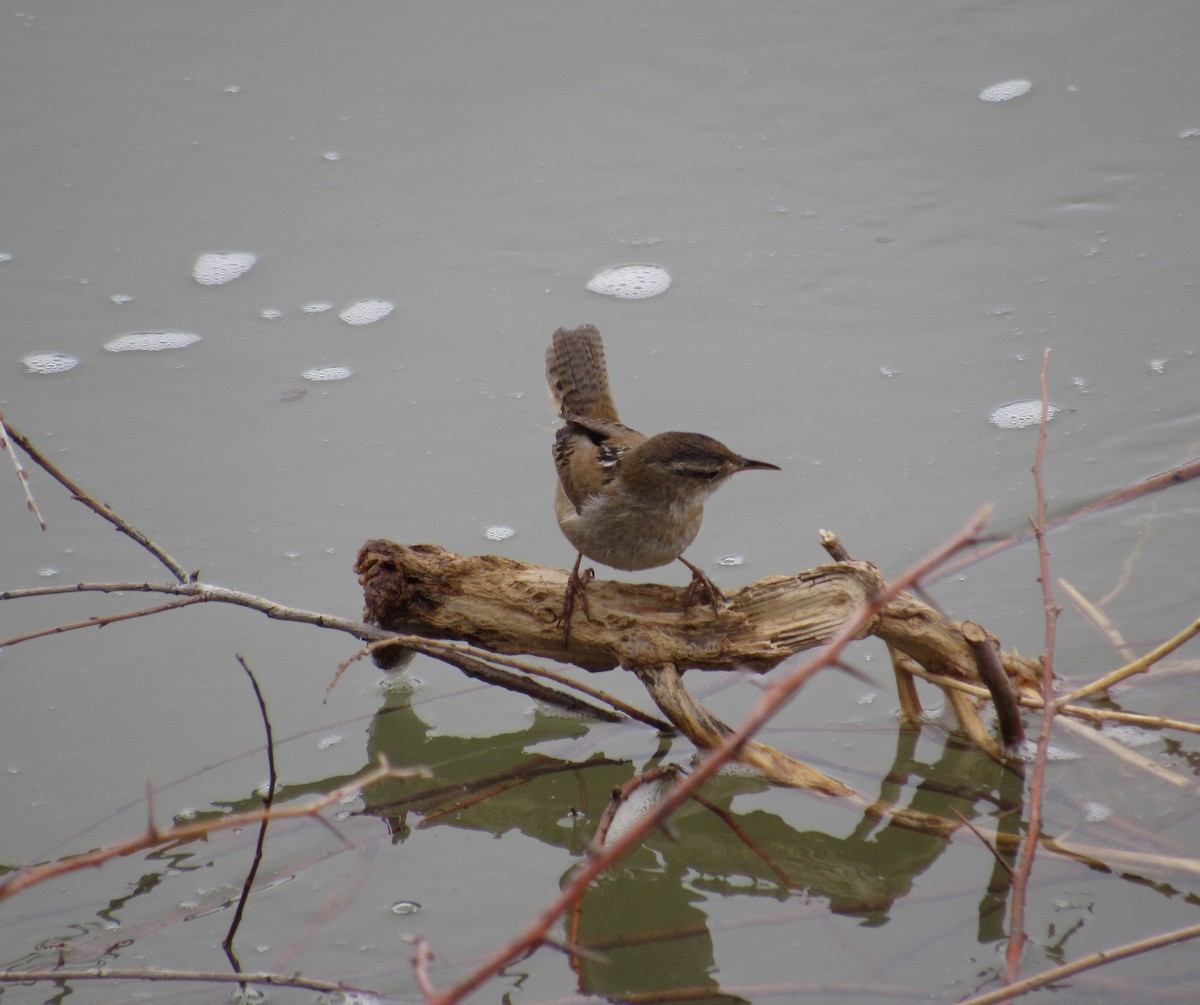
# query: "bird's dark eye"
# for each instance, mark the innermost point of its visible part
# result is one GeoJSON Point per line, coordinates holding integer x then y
{"type": "Point", "coordinates": [700, 474]}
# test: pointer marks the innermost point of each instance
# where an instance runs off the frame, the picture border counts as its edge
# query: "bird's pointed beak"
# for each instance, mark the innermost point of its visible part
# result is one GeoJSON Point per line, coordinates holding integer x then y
{"type": "Point", "coordinates": [749, 465]}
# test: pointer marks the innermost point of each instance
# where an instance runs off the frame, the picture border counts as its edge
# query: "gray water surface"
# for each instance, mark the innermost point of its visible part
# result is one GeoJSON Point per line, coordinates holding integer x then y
{"type": "Point", "coordinates": [866, 259]}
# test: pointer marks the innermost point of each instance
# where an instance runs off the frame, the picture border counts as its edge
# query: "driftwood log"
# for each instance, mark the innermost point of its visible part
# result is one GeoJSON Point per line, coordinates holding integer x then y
{"type": "Point", "coordinates": [510, 608]}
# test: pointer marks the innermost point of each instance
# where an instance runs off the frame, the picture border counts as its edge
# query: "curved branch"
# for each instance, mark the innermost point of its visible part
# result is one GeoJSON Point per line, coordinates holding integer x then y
{"type": "Point", "coordinates": [102, 510]}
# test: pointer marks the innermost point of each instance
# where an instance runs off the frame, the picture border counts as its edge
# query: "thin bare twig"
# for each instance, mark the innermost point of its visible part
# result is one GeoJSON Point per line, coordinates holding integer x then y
{"type": "Point", "coordinates": [739, 832]}
{"type": "Point", "coordinates": [268, 800]}
{"type": "Point", "coordinates": [1140, 665]}
{"type": "Point", "coordinates": [101, 509]}
{"type": "Point", "coordinates": [1156, 483]}
{"type": "Point", "coordinates": [1078, 711]}
{"type": "Point", "coordinates": [1100, 621]}
{"type": "Point", "coordinates": [206, 592]}
{"type": "Point", "coordinates": [1033, 834]}
{"type": "Point", "coordinates": [197, 592]}
{"type": "Point", "coordinates": [199, 976]}
{"type": "Point", "coordinates": [99, 621]}
{"type": "Point", "coordinates": [22, 477]}
{"type": "Point", "coordinates": [448, 651]}
{"type": "Point", "coordinates": [987, 842]}
{"type": "Point", "coordinates": [1089, 962]}
{"type": "Point", "coordinates": [1158, 772]}
{"type": "Point", "coordinates": [420, 964]}
{"type": "Point", "coordinates": [154, 836]}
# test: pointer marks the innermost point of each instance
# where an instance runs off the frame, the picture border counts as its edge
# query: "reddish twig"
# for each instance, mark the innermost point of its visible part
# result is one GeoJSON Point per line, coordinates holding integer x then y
{"type": "Point", "coordinates": [154, 836]}
{"type": "Point", "coordinates": [1089, 962]}
{"type": "Point", "coordinates": [22, 476]}
{"type": "Point", "coordinates": [728, 820]}
{"type": "Point", "coordinates": [197, 976]}
{"type": "Point", "coordinates": [99, 621]}
{"type": "Point", "coordinates": [987, 842]}
{"type": "Point", "coordinates": [1148, 486]}
{"type": "Point", "coordinates": [420, 964]}
{"type": "Point", "coordinates": [211, 594]}
{"type": "Point", "coordinates": [1017, 934]}
{"type": "Point", "coordinates": [621, 794]}
{"type": "Point", "coordinates": [101, 509]}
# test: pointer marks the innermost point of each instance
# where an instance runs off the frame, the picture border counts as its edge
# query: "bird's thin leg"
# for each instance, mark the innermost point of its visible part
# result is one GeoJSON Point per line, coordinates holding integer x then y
{"type": "Point", "coordinates": [576, 588]}
{"type": "Point", "coordinates": [701, 584]}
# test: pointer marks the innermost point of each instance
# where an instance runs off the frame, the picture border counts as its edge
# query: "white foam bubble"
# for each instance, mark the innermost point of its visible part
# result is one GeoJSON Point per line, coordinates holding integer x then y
{"type": "Point", "coordinates": [1130, 736]}
{"type": "Point", "coordinates": [641, 800]}
{"type": "Point", "coordinates": [219, 267]}
{"type": "Point", "coordinates": [151, 341]}
{"type": "Point", "coordinates": [1006, 91]}
{"type": "Point", "coordinates": [631, 282]}
{"type": "Point", "coordinates": [365, 312]}
{"type": "Point", "coordinates": [1019, 414]}
{"type": "Point", "coordinates": [49, 362]}
{"type": "Point", "coordinates": [319, 373]}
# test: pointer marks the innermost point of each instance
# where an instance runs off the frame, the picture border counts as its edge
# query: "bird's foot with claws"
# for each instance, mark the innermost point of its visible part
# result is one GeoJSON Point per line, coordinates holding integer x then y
{"type": "Point", "coordinates": [576, 590]}
{"type": "Point", "coordinates": [701, 587]}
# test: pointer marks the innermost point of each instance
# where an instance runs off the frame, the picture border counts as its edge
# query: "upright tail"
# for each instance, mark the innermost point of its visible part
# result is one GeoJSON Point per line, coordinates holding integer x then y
{"type": "Point", "coordinates": [578, 376]}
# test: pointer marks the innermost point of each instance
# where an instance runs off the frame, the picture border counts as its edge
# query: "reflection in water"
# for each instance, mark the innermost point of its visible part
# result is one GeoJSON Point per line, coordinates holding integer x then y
{"type": "Point", "coordinates": [643, 927]}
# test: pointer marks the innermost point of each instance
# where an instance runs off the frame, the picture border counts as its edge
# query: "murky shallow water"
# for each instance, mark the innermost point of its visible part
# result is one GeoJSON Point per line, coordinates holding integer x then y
{"type": "Point", "coordinates": [866, 262]}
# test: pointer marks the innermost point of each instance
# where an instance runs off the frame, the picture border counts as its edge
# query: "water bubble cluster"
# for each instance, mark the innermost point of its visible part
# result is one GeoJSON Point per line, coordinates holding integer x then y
{"type": "Point", "coordinates": [1006, 91]}
{"type": "Point", "coordinates": [365, 312]}
{"type": "Point", "coordinates": [49, 362]}
{"type": "Point", "coordinates": [641, 800]}
{"type": "Point", "coordinates": [1019, 414]}
{"type": "Point", "coordinates": [348, 998]}
{"type": "Point", "coordinates": [498, 533]}
{"type": "Point", "coordinates": [1028, 752]}
{"type": "Point", "coordinates": [220, 267]}
{"type": "Point", "coordinates": [318, 373]}
{"type": "Point", "coordinates": [1130, 736]}
{"type": "Point", "coordinates": [151, 341]}
{"type": "Point", "coordinates": [631, 282]}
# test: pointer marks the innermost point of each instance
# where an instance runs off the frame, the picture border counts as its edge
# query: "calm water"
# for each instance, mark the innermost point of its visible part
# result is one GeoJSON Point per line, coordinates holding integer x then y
{"type": "Point", "coordinates": [867, 259]}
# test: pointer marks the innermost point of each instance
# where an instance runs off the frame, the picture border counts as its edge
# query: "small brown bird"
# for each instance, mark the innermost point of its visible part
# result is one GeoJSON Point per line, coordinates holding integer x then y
{"type": "Point", "coordinates": [624, 499]}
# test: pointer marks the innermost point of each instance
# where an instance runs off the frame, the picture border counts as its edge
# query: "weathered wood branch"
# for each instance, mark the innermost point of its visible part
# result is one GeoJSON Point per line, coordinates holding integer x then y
{"type": "Point", "coordinates": [510, 607]}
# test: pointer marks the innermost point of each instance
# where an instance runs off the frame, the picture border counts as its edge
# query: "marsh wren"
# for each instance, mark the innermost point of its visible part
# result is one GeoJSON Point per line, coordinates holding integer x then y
{"type": "Point", "coordinates": [624, 499]}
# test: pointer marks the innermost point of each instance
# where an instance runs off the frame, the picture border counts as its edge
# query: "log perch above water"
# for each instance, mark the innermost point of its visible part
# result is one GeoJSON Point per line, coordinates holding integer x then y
{"type": "Point", "coordinates": [510, 608]}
